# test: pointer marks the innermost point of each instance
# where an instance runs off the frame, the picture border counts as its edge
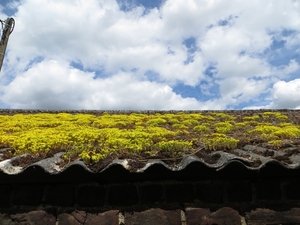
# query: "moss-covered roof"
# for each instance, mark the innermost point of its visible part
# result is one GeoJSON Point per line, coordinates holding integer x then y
{"type": "Point", "coordinates": [95, 136]}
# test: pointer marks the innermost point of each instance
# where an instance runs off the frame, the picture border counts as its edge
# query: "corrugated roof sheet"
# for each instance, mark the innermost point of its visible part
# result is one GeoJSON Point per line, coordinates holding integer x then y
{"type": "Point", "coordinates": [252, 162]}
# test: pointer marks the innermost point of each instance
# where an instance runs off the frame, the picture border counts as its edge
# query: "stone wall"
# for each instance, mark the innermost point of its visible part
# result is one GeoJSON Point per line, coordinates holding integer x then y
{"type": "Point", "coordinates": [147, 217]}
{"type": "Point", "coordinates": [195, 195]}
{"type": "Point", "coordinates": [222, 201]}
{"type": "Point", "coordinates": [241, 195]}
{"type": "Point", "coordinates": [153, 216]}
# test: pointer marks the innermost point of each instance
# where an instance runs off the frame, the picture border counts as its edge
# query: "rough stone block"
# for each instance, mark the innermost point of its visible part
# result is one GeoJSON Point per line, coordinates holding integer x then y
{"type": "Point", "coordinates": [28, 195]}
{"type": "Point", "coordinates": [150, 194]}
{"type": "Point", "coordinates": [240, 191]}
{"type": "Point", "coordinates": [225, 216]}
{"type": "Point", "coordinates": [59, 195]}
{"type": "Point", "coordinates": [122, 195]}
{"type": "Point", "coordinates": [268, 190]}
{"type": "Point", "coordinates": [90, 195]}
{"type": "Point", "coordinates": [5, 219]}
{"type": "Point", "coordinates": [106, 218]}
{"type": "Point", "coordinates": [81, 217]}
{"type": "Point", "coordinates": [209, 192]}
{"type": "Point", "coordinates": [179, 193]}
{"type": "Point", "coordinates": [153, 217]}
{"type": "Point", "coordinates": [267, 216]}
{"type": "Point", "coordinates": [67, 219]}
{"type": "Point", "coordinates": [196, 216]}
{"type": "Point", "coordinates": [33, 218]}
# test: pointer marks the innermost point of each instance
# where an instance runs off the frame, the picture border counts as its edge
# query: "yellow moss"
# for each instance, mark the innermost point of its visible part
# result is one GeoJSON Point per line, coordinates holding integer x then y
{"type": "Point", "coordinates": [94, 137]}
{"type": "Point", "coordinates": [268, 114]}
{"type": "Point", "coordinates": [190, 122]}
{"type": "Point", "coordinates": [268, 137]}
{"type": "Point", "coordinates": [288, 132]}
{"type": "Point", "coordinates": [223, 116]}
{"type": "Point", "coordinates": [179, 126]}
{"type": "Point", "coordinates": [175, 147]}
{"type": "Point", "coordinates": [281, 117]}
{"type": "Point", "coordinates": [269, 132]}
{"type": "Point", "coordinates": [285, 124]}
{"type": "Point", "coordinates": [173, 121]}
{"type": "Point", "coordinates": [223, 127]}
{"type": "Point", "coordinates": [201, 128]}
{"type": "Point", "coordinates": [218, 141]}
{"type": "Point", "coordinates": [276, 115]}
{"type": "Point", "coordinates": [156, 122]}
{"type": "Point", "coordinates": [251, 118]}
{"type": "Point", "coordinates": [207, 118]}
{"type": "Point", "coordinates": [241, 124]}
{"type": "Point", "coordinates": [276, 143]}
{"type": "Point", "coordinates": [266, 129]}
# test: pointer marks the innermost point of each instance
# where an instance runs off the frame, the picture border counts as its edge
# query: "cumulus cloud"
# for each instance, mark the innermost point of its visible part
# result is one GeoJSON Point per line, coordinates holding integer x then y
{"type": "Point", "coordinates": [286, 94]}
{"type": "Point", "coordinates": [92, 54]}
{"type": "Point", "coordinates": [54, 85]}
{"type": "Point", "coordinates": [236, 90]}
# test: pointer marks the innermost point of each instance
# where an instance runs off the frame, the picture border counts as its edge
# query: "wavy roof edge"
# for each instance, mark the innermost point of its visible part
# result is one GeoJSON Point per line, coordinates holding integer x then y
{"type": "Point", "coordinates": [50, 165]}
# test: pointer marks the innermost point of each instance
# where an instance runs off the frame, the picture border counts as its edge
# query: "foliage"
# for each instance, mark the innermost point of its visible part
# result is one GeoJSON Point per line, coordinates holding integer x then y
{"type": "Point", "coordinates": [218, 141]}
{"type": "Point", "coordinates": [223, 116]}
{"type": "Point", "coordinates": [251, 118]}
{"type": "Point", "coordinates": [276, 115]}
{"type": "Point", "coordinates": [223, 127]}
{"type": "Point", "coordinates": [94, 137]}
{"type": "Point", "coordinates": [271, 132]}
{"type": "Point", "coordinates": [201, 128]}
{"type": "Point", "coordinates": [276, 143]}
{"type": "Point", "coordinates": [175, 147]}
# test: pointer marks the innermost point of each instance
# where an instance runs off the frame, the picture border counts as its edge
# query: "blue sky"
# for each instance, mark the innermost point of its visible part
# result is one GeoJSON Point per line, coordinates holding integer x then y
{"type": "Point", "coordinates": [159, 54]}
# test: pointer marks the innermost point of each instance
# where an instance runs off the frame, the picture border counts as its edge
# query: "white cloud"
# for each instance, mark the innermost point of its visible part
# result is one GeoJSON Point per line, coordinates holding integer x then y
{"type": "Point", "coordinates": [283, 71]}
{"type": "Point", "coordinates": [236, 89]}
{"type": "Point", "coordinates": [100, 35]}
{"type": "Point", "coordinates": [54, 85]}
{"type": "Point", "coordinates": [293, 42]}
{"type": "Point", "coordinates": [286, 94]}
{"type": "Point", "coordinates": [125, 45]}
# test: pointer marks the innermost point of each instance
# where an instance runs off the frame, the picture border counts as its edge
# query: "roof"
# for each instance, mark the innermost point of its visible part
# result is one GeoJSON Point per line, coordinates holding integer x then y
{"type": "Point", "coordinates": [137, 141]}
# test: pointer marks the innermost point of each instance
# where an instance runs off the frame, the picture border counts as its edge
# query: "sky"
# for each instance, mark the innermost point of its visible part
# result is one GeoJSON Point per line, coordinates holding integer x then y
{"type": "Point", "coordinates": [152, 55]}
